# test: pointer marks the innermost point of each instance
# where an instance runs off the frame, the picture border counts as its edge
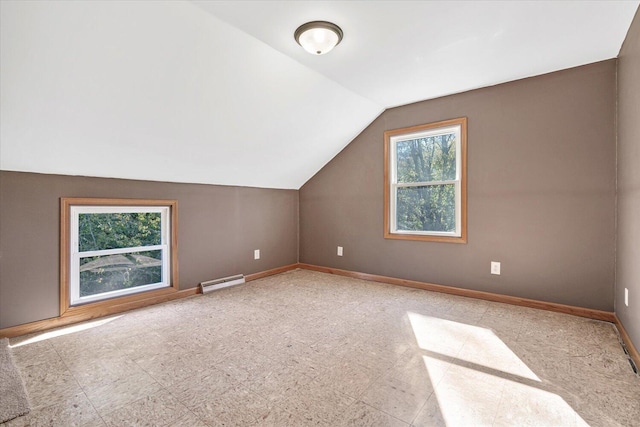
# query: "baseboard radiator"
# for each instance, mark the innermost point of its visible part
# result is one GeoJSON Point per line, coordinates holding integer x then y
{"type": "Point", "coordinates": [225, 282]}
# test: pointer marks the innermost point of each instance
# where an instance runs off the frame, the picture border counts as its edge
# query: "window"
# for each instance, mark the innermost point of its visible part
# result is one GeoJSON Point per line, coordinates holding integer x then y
{"type": "Point", "coordinates": [116, 248]}
{"type": "Point", "coordinates": [425, 182]}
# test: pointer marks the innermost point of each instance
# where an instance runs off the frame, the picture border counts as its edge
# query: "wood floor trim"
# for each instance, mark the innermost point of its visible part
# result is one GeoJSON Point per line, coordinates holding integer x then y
{"type": "Point", "coordinates": [273, 271]}
{"type": "Point", "coordinates": [488, 296]}
{"type": "Point", "coordinates": [631, 349]}
{"type": "Point", "coordinates": [82, 315]}
{"type": "Point", "coordinates": [46, 324]}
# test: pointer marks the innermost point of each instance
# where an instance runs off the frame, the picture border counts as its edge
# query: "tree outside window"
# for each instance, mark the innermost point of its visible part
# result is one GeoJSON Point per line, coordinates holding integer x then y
{"type": "Point", "coordinates": [425, 182]}
{"type": "Point", "coordinates": [116, 248]}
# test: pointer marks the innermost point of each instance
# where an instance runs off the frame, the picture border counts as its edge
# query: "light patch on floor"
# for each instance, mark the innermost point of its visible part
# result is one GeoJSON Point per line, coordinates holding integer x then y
{"type": "Point", "coordinates": [483, 375]}
{"type": "Point", "coordinates": [63, 331]}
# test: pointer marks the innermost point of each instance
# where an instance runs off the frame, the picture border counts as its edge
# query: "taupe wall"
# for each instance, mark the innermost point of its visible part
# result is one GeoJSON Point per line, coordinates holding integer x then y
{"type": "Point", "coordinates": [628, 254]}
{"type": "Point", "coordinates": [541, 193]}
{"type": "Point", "coordinates": [219, 227]}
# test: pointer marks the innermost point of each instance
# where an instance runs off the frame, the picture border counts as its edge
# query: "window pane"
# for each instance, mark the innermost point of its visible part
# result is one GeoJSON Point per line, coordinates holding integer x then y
{"type": "Point", "coordinates": [99, 231]}
{"type": "Point", "coordinates": [107, 273]}
{"type": "Point", "coordinates": [432, 158]}
{"type": "Point", "coordinates": [427, 208]}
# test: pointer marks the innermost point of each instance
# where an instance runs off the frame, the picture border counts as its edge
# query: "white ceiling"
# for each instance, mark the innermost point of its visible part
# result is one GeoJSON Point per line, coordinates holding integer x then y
{"type": "Point", "coordinates": [220, 93]}
{"type": "Point", "coordinates": [399, 52]}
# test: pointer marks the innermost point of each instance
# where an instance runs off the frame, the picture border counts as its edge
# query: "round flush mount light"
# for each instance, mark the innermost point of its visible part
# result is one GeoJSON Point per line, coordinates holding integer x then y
{"type": "Point", "coordinates": [318, 37]}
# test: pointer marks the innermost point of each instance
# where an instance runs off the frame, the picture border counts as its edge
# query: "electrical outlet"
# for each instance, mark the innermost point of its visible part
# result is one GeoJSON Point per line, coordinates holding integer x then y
{"type": "Point", "coordinates": [626, 297]}
{"type": "Point", "coordinates": [339, 250]}
{"type": "Point", "coordinates": [495, 267]}
{"type": "Point", "coordinates": [256, 254]}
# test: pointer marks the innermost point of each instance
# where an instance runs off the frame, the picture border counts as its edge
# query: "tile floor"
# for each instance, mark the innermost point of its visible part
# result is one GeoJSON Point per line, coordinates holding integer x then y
{"type": "Point", "coordinates": [305, 348]}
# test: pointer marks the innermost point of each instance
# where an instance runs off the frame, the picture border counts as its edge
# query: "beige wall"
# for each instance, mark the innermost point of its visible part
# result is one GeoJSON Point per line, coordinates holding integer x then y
{"type": "Point", "coordinates": [219, 227]}
{"type": "Point", "coordinates": [628, 253]}
{"type": "Point", "coordinates": [541, 193]}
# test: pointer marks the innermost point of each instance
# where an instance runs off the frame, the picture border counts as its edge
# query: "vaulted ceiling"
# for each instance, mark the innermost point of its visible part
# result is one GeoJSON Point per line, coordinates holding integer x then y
{"type": "Point", "coordinates": [218, 92]}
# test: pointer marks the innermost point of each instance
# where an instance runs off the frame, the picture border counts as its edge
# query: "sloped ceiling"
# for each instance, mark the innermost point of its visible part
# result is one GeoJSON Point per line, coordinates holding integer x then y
{"type": "Point", "coordinates": [220, 93]}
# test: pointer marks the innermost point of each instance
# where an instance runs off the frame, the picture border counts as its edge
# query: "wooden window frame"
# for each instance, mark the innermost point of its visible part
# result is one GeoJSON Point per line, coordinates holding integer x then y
{"type": "Point", "coordinates": [103, 307]}
{"type": "Point", "coordinates": [388, 175]}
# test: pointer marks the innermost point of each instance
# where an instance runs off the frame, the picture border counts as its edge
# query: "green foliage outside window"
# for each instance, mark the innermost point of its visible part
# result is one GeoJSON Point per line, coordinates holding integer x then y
{"type": "Point", "coordinates": [100, 231]}
{"type": "Point", "coordinates": [426, 160]}
{"type": "Point", "coordinates": [103, 231]}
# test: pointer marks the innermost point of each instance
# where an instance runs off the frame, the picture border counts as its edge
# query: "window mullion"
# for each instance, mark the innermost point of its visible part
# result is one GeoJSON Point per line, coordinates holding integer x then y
{"type": "Point", "coordinates": [425, 183]}
{"type": "Point", "coordinates": [117, 251]}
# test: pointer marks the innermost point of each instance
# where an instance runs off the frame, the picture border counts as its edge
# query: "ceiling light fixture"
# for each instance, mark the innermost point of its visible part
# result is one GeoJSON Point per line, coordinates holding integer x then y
{"type": "Point", "coordinates": [318, 37]}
